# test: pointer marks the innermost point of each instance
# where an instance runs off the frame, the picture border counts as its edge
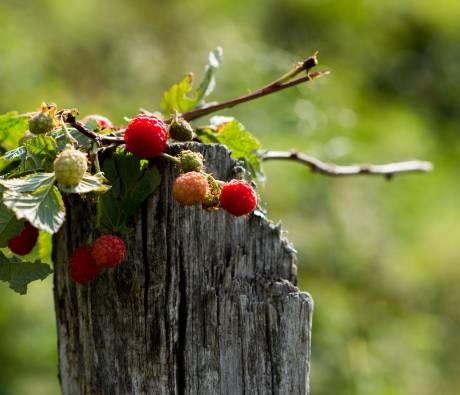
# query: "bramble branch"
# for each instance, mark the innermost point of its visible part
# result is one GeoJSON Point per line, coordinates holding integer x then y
{"type": "Point", "coordinates": [100, 138]}
{"type": "Point", "coordinates": [286, 81]}
{"type": "Point", "coordinates": [330, 169]}
{"type": "Point", "coordinates": [282, 83]}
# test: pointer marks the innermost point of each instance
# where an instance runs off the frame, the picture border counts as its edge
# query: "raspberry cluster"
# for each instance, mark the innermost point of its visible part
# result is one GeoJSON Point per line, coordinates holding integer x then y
{"type": "Point", "coordinates": [146, 137]}
{"type": "Point", "coordinates": [194, 186]}
{"type": "Point", "coordinates": [86, 262]}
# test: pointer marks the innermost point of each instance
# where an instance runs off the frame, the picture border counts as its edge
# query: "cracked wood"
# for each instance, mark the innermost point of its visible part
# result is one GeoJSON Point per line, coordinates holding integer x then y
{"type": "Point", "coordinates": [205, 303]}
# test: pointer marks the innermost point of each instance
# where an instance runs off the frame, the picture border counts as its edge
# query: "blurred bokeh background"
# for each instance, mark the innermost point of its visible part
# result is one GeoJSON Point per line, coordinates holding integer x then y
{"type": "Point", "coordinates": [380, 258]}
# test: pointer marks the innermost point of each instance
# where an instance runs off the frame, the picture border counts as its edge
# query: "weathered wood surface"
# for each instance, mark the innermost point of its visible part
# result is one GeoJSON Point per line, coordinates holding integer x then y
{"type": "Point", "coordinates": [204, 304]}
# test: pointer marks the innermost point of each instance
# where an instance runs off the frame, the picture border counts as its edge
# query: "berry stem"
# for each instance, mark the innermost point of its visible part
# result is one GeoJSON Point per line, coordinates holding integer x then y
{"type": "Point", "coordinates": [94, 149]}
{"type": "Point", "coordinates": [97, 167]}
{"type": "Point", "coordinates": [212, 200]}
{"type": "Point", "coordinates": [170, 158]}
{"type": "Point", "coordinates": [68, 136]}
{"type": "Point", "coordinates": [216, 184]}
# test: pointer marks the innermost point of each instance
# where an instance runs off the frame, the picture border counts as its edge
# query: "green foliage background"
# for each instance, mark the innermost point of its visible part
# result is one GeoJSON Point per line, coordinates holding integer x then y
{"type": "Point", "coordinates": [381, 259]}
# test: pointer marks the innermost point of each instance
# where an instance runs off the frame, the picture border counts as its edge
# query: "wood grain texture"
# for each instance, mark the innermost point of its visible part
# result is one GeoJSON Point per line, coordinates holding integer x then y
{"type": "Point", "coordinates": [205, 303]}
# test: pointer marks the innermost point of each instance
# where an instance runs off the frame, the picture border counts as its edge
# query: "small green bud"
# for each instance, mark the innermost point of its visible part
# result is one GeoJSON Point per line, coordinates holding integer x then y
{"type": "Point", "coordinates": [42, 122]}
{"type": "Point", "coordinates": [180, 130]}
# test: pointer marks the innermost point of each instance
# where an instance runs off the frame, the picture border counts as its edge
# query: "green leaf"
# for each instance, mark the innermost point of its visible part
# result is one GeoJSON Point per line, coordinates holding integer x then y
{"type": "Point", "coordinates": [178, 97]}
{"type": "Point", "coordinates": [89, 183]}
{"type": "Point", "coordinates": [12, 128]}
{"type": "Point", "coordinates": [29, 183]}
{"type": "Point", "coordinates": [8, 168]}
{"type": "Point", "coordinates": [244, 146]}
{"type": "Point", "coordinates": [15, 154]}
{"type": "Point", "coordinates": [45, 247]}
{"type": "Point", "coordinates": [36, 199]}
{"type": "Point", "coordinates": [10, 226]}
{"type": "Point", "coordinates": [43, 150]}
{"type": "Point", "coordinates": [41, 145]}
{"type": "Point", "coordinates": [132, 182]}
{"type": "Point", "coordinates": [37, 153]}
{"type": "Point", "coordinates": [208, 83]}
{"type": "Point", "coordinates": [61, 138]}
{"type": "Point", "coordinates": [207, 135]}
{"type": "Point", "coordinates": [11, 160]}
{"type": "Point", "coordinates": [19, 273]}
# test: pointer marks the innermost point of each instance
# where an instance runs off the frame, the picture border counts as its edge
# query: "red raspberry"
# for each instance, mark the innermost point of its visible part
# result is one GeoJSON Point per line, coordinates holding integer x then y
{"type": "Point", "coordinates": [82, 265]}
{"type": "Point", "coordinates": [108, 251]}
{"type": "Point", "coordinates": [23, 243]}
{"type": "Point", "coordinates": [103, 122]}
{"type": "Point", "coordinates": [190, 188]}
{"type": "Point", "coordinates": [238, 197]}
{"type": "Point", "coordinates": [146, 136]}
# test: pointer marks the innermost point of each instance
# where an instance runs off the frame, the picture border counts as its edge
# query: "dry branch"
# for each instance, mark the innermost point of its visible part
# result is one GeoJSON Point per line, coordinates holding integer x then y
{"type": "Point", "coordinates": [330, 169]}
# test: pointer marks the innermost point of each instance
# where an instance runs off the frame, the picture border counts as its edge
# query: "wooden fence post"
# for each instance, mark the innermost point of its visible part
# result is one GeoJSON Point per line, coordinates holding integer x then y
{"type": "Point", "coordinates": [205, 303]}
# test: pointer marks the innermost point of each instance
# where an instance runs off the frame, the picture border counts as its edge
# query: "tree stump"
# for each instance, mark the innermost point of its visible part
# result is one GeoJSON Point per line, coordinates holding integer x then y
{"type": "Point", "coordinates": [205, 303]}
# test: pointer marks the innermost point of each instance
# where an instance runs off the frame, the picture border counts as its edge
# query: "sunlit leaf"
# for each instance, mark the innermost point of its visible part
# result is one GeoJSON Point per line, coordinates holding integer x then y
{"type": "Point", "coordinates": [244, 146]}
{"type": "Point", "coordinates": [12, 128]}
{"type": "Point", "coordinates": [208, 83]}
{"type": "Point", "coordinates": [42, 206]}
{"type": "Point", "coordinates": [15, 154]}
{"type": "Point", "coordinates": [178, 97]}
{"type": "Point", "coordinates": [43, 150]}
{"type": "Point", "coordinates": [61, 138]}
{"type": "Point", "coordinates": [89, 183]}
{"type": "Point", "coordinates": [29, 183]}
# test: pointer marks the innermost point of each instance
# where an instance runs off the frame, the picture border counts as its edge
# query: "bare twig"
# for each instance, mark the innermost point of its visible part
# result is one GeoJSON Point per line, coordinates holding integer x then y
{"type": "Point", "coordinates": [69, 137]}
{"type": "Point", "coordinates": [100, 138]}
{"type": "Point", "coordinates": [386, 170]}
{"type": "Point", "coordinates": [285, 81]}
{"type": "Point", "coordinates": [267, 90]}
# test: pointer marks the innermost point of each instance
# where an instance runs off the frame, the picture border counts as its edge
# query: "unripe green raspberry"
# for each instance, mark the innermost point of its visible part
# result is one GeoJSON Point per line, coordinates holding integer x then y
{"type": "Point", "coordinates": [180, 130]}
{"type": "Point", "coordinates": [191, 161]}
{"type": "Point", "coordinates": [42, 122]}
{"type": "Point", "coordinates": [70, 166]}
